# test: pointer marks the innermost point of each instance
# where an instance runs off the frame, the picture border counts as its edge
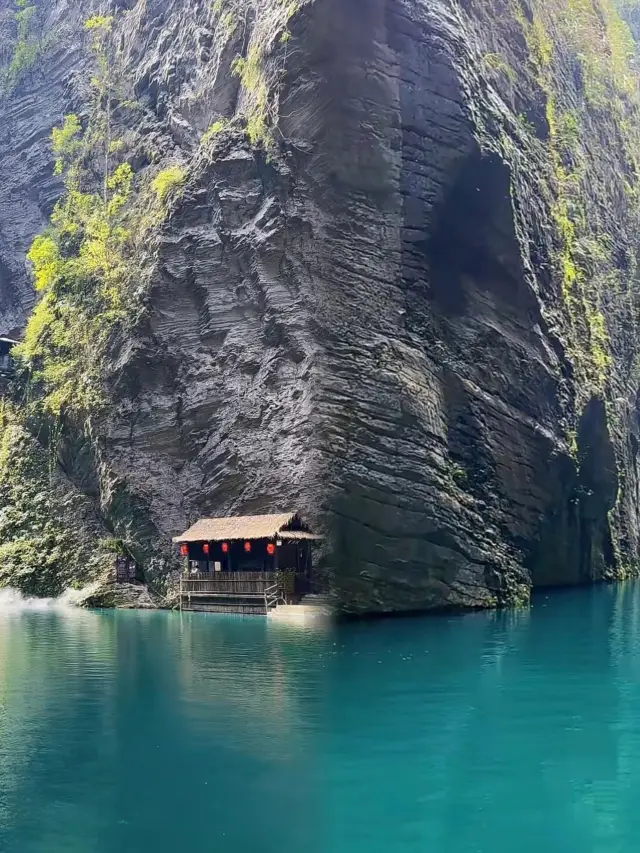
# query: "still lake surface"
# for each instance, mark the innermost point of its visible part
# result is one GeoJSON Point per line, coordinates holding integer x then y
{"type": "Point", "coordinates": [164, 732]}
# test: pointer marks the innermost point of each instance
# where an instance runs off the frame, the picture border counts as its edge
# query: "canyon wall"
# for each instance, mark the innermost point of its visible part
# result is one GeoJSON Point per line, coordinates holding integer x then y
{"type": "Point", "coordinates": [395, 287]}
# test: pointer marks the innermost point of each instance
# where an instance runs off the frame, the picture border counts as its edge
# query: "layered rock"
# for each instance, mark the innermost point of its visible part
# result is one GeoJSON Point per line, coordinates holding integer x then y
{"type": "Point", "coordinates": [366, 316]}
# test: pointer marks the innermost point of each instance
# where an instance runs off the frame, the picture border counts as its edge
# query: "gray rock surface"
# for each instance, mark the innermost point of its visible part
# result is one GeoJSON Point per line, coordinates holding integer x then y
{"type": "Point", "coordinates": [29, 189]}
{"type": "Point", "coordinates": [367, 327]}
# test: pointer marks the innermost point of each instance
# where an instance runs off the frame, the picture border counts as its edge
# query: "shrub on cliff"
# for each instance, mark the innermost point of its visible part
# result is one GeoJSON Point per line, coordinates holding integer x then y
{"type": "Point", "coordinates": [46, 526]}
{"type": "Point", "coordinates": [168, 181]}
{"type": "Point", "coordinates": [83, 264]}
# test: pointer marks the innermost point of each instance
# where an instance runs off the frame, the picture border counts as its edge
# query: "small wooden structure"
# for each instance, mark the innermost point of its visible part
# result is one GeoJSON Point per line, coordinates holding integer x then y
{"type": "Point", "coordinates": [7, 363]}
{"type": "Point", "coordinates": [245, 564]}
{"type": "Point", "coordinates": [126, 570]}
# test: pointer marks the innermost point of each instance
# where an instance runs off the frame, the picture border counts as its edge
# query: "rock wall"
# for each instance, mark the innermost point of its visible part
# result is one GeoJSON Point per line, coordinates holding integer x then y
{"type": "Point", "coordinates": [371, 316]}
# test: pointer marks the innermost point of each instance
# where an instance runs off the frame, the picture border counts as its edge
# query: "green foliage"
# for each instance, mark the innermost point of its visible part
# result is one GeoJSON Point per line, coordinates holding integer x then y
{"type": "Point", "coordinates": [565, 126]}
{"type": "Point", "coordinates": [82, 264]}
{"type": "Point", "coordinates": [29, 42]}
{"type": "Point", "coordinates": [228, 23]}
{"type": "Point", "coordinates": [604, 47]}
{"type": "Point", "coordinates": [228, 14]}
{"type": "Point", "coordinates": [601, 43]}
{"type": "Point", "coordinates": [117, 146]}
{"type": "Point", "coordinates": [252, 74]}
{"type": "Point", "coordinates": [214, 130]}
{"type": "Point", "coordinates": [538, 39]}
{"type": "Point", "coordinates": [458, 474]}
{"type": "Point", "coordinates": [85, 263]}
{"type": "Point", "coordinates": [114, 546]}
{"type": "Point", "coordinates": [100, 23]}
{"type": "Point", "coordinates": [168, 181]}
{"type": "Point", "coordinates": [88, 275]}
{"type": "Point", "coordinates": [497, 63]}
{"type": "Point", "coordinates": [47, 262]}
{"type": "Point", "coordinates": [261, 72]}
{"type": "Point", "coordinates": [41, 551]}
{"type": "Point", "coordinates": [525, 123]}
{"type": "Point", "coordinates": [66, 142]}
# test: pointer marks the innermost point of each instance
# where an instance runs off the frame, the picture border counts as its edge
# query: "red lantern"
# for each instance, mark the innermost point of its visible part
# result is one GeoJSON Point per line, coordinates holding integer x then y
{"type": "Point", "coordinates": [184, 549]}
{"type": "Point", "coordinates": [247, 547]}
{"type": "Point", "coordinates": [225, 547]}
{"type": "Point", "coordinates": [205, 548]}
{"type": "Point", "coordinates": [271, 549]}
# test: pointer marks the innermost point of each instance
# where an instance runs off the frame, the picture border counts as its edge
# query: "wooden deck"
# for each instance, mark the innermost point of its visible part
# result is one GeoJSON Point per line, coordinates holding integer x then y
{"type": "Point", "coordinates": [237, 607]}
{"type": "Point", "coordinates": [236, 592]}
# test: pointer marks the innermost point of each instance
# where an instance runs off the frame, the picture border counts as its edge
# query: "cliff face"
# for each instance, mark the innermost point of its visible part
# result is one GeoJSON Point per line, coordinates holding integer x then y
{"type": "Point", "coordinates": [395, 288]}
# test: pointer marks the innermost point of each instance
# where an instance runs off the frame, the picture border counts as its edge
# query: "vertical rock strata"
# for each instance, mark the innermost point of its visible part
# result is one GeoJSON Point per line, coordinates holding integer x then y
{"type": "Point", "coordinates": [410, 312]}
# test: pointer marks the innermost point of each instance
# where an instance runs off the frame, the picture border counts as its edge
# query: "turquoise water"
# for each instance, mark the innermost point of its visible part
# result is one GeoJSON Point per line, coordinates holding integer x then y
{"type": "Point", "coordinates": [485, 733]}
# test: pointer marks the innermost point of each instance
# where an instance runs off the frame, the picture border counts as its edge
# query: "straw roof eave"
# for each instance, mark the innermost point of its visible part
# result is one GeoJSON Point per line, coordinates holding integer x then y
{"type": "Point", "coordinates": [236, 527]}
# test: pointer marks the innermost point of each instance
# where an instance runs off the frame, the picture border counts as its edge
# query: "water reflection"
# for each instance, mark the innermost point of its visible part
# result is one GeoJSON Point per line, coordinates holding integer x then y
{"type": "Point", "coordinates": [167, 731]}
{"type": "Point", "coordinates": [467, 733]}
{"type": "Point", "coordinates": [131, 731]}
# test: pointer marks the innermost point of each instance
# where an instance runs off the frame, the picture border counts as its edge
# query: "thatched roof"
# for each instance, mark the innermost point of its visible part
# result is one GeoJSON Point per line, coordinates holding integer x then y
{"type": "Point", "coordinates": [236, 527]}
{"type": "Point", "coordinates": [297, 534]}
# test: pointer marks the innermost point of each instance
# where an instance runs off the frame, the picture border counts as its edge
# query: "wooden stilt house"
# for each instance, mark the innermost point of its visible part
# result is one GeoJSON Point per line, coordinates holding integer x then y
{"type": "Point", "coordinates": [246, 564]}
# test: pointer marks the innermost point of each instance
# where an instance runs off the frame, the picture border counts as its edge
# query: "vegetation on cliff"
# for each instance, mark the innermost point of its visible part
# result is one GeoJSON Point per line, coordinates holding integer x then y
{"type": "Point", "coordinates": [604, 105]}
{"type": "Point", "coordinates": [22, 43]}
{"type": "Point", "coordinates": [90, 284]}
{"type": "Point", "coordinates": [568, 119]}
{"type": "Point", "coordinates": [579, 132]}
{"type": "Point", "coordinates": [50, 538]}
{"type": "Point", "coordinates": [261, 67]}
{"type": "Point", "coordinates": [83, 263]}
{"type": "Point", "coordinates": [87, 263]}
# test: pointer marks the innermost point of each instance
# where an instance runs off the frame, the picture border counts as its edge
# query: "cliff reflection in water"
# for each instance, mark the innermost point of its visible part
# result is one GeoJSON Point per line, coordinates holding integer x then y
{"type": "Point", "coordinates": [165, 732]}
{"type": "Point", "coordinates": [126, 731]}
{"type": "Point", "coordinates": [465, 733]}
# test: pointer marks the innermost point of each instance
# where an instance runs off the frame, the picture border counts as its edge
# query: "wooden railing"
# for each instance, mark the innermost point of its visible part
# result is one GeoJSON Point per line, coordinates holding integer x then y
{"type": "Point", "coordinates": [270, 587]}
{"type": "Point", "coordinates": [226, 583]}
{"type": "Point", "coordinates": [272, 596]}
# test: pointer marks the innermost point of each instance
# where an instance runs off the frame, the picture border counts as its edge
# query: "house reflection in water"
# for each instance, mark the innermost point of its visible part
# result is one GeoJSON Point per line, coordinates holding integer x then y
{"type": "Point", "coordinates": [253, 676]}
